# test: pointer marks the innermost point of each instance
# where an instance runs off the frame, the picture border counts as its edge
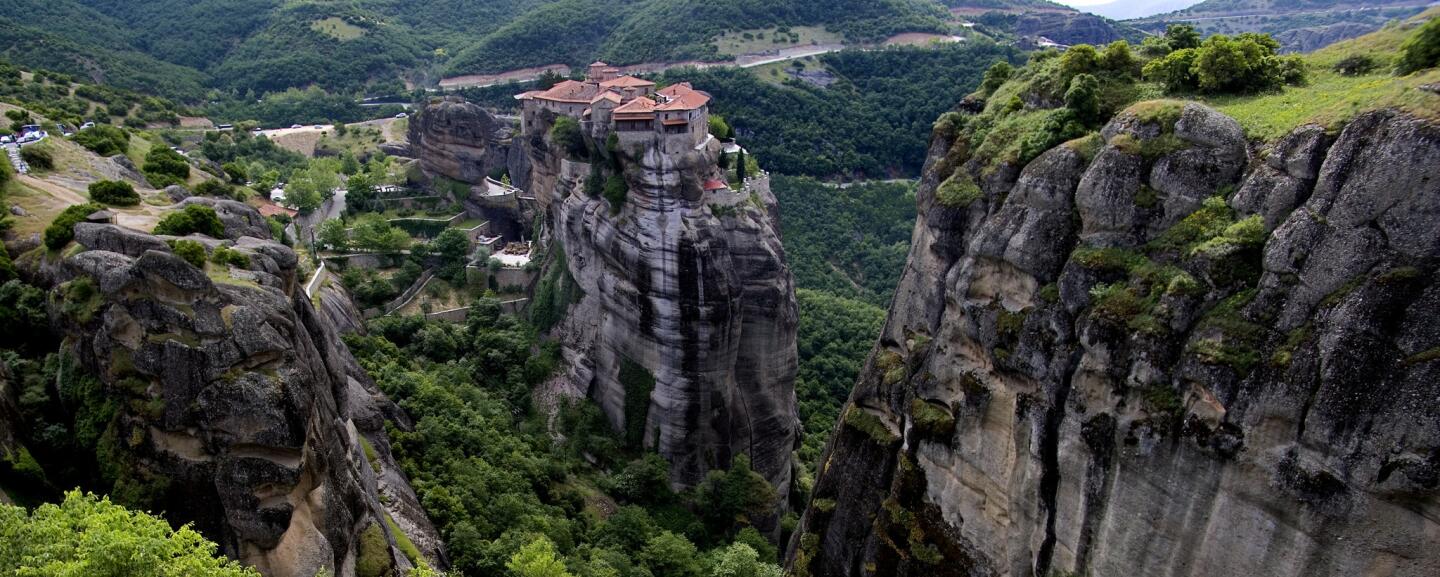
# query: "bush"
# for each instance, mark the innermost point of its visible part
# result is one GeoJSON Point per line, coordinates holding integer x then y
{"type": "Point", "coordinates": [193, 252]}
{"type": "Point", "coordinates": [228, 256]}
{"type": "Point", "coordinates": [114, 192]}
{"type": "Point", "coordinates": [103, 139]}
{"type": "Point", "coordinates": [1355, 65]}
{"type": "Point", "coordinates": [720, 128]}
{"type": "Point", "coordinates": [567, 135]}
{"type": "Point", "coordinates": [615, 191]}
{"type": "Point", "coordinates": [1083, 98]}
{"type": "Point", "coordinates": [1118, 59]}
{"type": "Point", "coordinates": [38, 157]}
{"type": "Point", "coordinates": [62, 230]}
{"type": "Point", "coordinates": [215, 188]}
{"type": "Point", "coordinates": [1421, 50]}
{"type": "Point", "coordinates": [195, 218]}
{"type": "Point", "coordinates": [997, 75]}
{"type": "Point", "coordinates": [164, 167]}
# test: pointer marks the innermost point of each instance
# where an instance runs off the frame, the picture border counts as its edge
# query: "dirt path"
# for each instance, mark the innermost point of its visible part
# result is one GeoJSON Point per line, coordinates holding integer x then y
{"type": "Point", "coordinates": [140, 217]}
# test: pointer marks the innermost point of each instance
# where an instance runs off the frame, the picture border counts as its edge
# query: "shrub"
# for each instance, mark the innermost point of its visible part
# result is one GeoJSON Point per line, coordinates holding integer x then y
{"type": "Point", "coordinates": [1355, 65]}
{"type": "Point", "coordinates": [164, 167]}
{"type": "Point", "coordinates": [215, 188]}
{"type": "Point", "coordinates": [103, 139]}
{"type": "Point", "coordinates": [1182, 36]}
{"type": "Point", "coordinates": [997, 75]}
{"type": "Point", "coordinates": [1118, 59]}
{"type": "Point", "coordinates": [1422, 50]}
{"type": "Point", "coordinates": [1083, 98]}
{"type": "Point", "coordinates": [567, 135]}
{"type": "Point", "coordinates": [615, 191]}
{"type": "Point", "coordinates": [1173, 70]}
{"type": "Point", "coordinates": [62, 230]}
{"type": "Point", "coordinates": [114, 192]}
{"type": "Point", "coordinates": [1079, 59]}
{"type": "Point", "coordinates": [193, 252]}
{"type": "Point", "coordinates": [720, 128]}
{"type": "Point", "coordinates": [228, 256]}
{"type": "Point", "coordinates": [958, 191]}
{"type": "Point", "coordinates": [38, 157]}
{"type": "Point", "coordinates": [195, 218]}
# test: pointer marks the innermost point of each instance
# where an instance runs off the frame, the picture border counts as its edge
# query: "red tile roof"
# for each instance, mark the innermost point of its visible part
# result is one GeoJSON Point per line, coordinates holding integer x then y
{"type": "Point", "coordinates": [626, 82]}
{"type": "Point", "coordinates": [569, 91]}
{"type": "Point", "coordinates": [639, 109]}
{"type": "Point", "coordinates": [267, 208]}
{"type": "Point", "coordinates": [675, 90]}
{"type": "Point", "coordinates": [715, 184]}
{"type": "Point", "coordinates": [687, 101]}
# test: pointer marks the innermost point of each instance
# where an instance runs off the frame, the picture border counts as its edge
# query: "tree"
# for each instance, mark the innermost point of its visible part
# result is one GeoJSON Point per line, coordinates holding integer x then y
{"type": "Point", "coordinates": [103, 139]}
{"type": "Point", "coordinates": [452, 246]}
{"type": "Point", "coordinates": [720, 128]}
{"type": "Point", "coordinates": [235, 172]}
{"type": "Point", "coordinates": [1083, 98]}
{"type": "Point", "coordinates": [1225, 64]}
{"type": "Point", "coordinates": [537, 559]}
{"type": "Point", "coordinates": [733, 496]}
{"type": "Point", "coordinates": [375, 234]}
{"type": "Point", "coordinates": [740, 166]}
{"type": "Point", "coordinates": [1118, 59]}
{"type": "Point", "coordinates": [332, 234]}
{"type": "Point", "coordinates": [670, 555]}
{"type": "Point", "coordinates": [62, 230]}
{"type": "Point", "coordinates": [997, 75]}
{"type": "Point", "coordinates": [114, 193]}
{"type": "Point", "coordinates": [85, 535]}
{"type": "Point", "coordinates": [1182, 36]}
{"type": "Point", "coordinates": [1079, 59]}
{"type": "Point", "coordinates": [567, 135]}
{"type": "Point", "coordinates": [309, 188]}
{"type": "Point", "coordinates": [194, 218]}
{"type": "Point", "coordinates": [1174, 70]}
{"type": "Point", "coordinates": [164, 167]}
{"type": "Point", "coordinates": [741, 560]}
{"type": "Point", "coordinates": [1421, 50]}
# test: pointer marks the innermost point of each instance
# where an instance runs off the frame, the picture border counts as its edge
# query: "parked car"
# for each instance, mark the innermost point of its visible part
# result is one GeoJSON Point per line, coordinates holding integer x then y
{"type": "Point", "coordinates": [295, 126]}
{"type": "Point", "coordinates": [319, 127]}
{"type": "Point", "coordinates": [87, 124]}
{"type": "Point", "coordinates": [402, 115]}
{"type": "Point", "coordinates": [7, 139]}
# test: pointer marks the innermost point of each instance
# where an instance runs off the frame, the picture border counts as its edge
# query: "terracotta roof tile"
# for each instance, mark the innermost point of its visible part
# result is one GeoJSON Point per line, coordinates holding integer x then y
{"type": "Point", "coordinates": [626, 82]}
{"type": "Point", "coordinates": [687, 101]}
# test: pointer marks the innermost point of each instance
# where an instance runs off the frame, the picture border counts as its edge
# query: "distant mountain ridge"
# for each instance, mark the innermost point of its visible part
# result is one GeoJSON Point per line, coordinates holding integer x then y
{"type": "Point", "coordinates": [1300, 25]}
{"type": "Point", "coordinates": [271, 45]}
{"type": "Point", "coordinates": [1131, 9]}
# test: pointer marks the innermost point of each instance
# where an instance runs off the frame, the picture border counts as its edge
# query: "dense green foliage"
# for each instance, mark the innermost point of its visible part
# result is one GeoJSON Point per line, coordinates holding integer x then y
{"type": "Point", "coordinates": [1221, 64]}
{"type": "Point", "coordinates": [114, 193]}
{"type": "Point", "coordinates": [1422, 50]}
{"type": "Point", "coordinates": [507, 496]}
{"type": "Point", "coordinates": [193, 252]}
{"type": "Point", "coordinates": [89, 536]}
{"type": "Point", "coordinates": [875, 121]}
{"type": "Point", "coordinates": [164, 167]}
{"type": "Point", "coordinates": [193, 219]}
{"type": "Point", "coordinates": [104, 140]}
{"type": "Point", "coordinates": [849, 242]}
{"type": "Point", "coordinates": [62, 230]}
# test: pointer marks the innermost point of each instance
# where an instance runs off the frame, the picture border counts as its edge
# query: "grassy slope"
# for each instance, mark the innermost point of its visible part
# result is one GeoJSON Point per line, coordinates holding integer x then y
{"type": "Point", "coordinates": [1331, 99]}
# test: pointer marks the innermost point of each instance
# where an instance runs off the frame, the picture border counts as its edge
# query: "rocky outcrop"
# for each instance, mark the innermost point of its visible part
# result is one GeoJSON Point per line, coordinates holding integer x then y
{"type": "Point", "coordinates": [1173, 357]}
{"type": "Point", "coordinates": [458, 140]}
{"type": "Point", "coordinates": [1316, 37]}
{"type": "Point", "coordinates": [238, 407]}
{"type": "Point", "coordinates": [240, 219]}
{"type": "Point", "coordinates": [1067, 28]}
{"type": "Point", "coordinates": [685, 330]}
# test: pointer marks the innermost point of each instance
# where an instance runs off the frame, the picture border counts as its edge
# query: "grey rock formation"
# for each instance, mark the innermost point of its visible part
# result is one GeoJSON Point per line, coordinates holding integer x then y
{"type": "Point", "coordinates": [240, 219]}
{"type": "Point", "coordinates": [1037, 406]}
{"type": "Point", "coordinates": [458, 140]}
{"type": "Point", "coordinates": [177, 193]}
{"type": "Point", "coordinates": [238, 395]}
{"type": "Point", "coordinates": [696, 294]}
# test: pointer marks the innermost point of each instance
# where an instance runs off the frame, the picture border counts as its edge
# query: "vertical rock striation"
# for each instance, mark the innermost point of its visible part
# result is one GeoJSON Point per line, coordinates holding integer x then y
{"type": "Point", "coordinates": [238, 408]}
{"type": "Point", "coordinates": [688, 288]}
{"type": "Point", "coordinates": [1165, 356]}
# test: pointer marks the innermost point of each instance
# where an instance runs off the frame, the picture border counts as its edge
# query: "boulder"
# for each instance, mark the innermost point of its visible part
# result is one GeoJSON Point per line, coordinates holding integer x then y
{"type": "Point", "coordinates": [240, 219]}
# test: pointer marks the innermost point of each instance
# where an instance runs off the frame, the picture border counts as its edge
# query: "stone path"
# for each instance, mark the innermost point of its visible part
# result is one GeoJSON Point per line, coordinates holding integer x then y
{"type": "Point", "coordinates": [13, 151]}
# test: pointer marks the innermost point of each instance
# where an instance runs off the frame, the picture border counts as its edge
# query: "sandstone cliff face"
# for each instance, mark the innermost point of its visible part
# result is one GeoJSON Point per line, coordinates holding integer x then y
{"type": "Point", "coordinates": [1170, 356]}
{"type": "Point", "coordinates": [696, 294]}
{"type": "Point", "coordinates": [239, 407]}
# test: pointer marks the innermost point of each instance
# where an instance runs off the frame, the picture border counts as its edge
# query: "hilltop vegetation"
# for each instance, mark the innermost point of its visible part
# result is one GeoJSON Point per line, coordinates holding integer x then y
{"type": "Point", "coordinates": [1299, 25]}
